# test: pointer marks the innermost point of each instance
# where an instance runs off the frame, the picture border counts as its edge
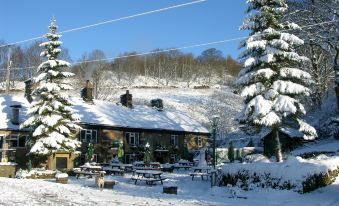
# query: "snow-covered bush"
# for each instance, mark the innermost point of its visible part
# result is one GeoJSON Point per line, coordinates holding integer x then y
{"type": "Point", "coordinates": [35, 173]}
{"type": "Point", "coordinates": [295, 173]}
{"type": "Point", "coordinates": [255, 158]}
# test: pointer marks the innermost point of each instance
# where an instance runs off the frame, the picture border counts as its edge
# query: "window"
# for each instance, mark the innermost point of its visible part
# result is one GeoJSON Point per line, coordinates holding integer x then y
{"type": "Point", "coordinates": [83, 158]}
{"type": "Point", "coordinates": [89, 136]}
{"type": "Point", "coordinates": [130, 158]}
{"type": "Point", "coordinates": [174, 140]}
{"type": "Point", "coordinates": [15, 141]}
{"type": "Point", "coordinates": [174, 158]}
{"type": "Point", "coordinates": [2, 139]}
{"type": "Point", "coordinates": [132, 138]}
{"type": "Point", "coordinates": [199, 141]}
{"type": "Point", "coordinates": [95, 158]}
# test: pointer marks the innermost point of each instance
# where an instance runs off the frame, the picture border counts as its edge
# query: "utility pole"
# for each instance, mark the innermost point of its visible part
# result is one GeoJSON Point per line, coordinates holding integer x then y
{"type": "Point", "coordinates": [8, 74]}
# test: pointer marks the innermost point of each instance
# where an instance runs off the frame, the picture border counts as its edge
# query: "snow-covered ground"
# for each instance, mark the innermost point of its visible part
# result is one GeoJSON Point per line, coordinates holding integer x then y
{"type": "Point", "coordinates": [324, 146]}
{"type": "Point", "coordinates": [83, 192]}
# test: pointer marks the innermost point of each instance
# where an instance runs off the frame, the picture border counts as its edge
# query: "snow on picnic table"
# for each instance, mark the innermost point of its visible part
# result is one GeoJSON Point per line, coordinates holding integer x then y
{"type": "Point", "coordinates": [83, 192]}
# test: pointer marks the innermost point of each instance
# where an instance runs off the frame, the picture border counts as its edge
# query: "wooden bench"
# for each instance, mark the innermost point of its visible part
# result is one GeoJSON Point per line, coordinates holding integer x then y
{"type": "Point", "coordinates": [201, 174]}
{"type": "Point", "coordinates": [115, 171]}
{"type": "Point", "coordinates": [83, 173]}
{"type": "Point", "coordinates": [186, 167]}
{"type": "Point", "coordinates": [149, 181]}
{"type": "Point", "coordinates": [168, 169]}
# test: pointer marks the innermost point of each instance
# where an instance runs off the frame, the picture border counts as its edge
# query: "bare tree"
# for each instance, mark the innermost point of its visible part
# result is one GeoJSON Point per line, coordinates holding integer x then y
{"type": "Point", "coordinates": [320, 34]}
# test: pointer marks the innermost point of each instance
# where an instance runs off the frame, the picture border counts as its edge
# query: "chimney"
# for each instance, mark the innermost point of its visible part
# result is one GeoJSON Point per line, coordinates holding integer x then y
{"type": "Point", "coordinates": [157, 103]}
{"type": "Point", "coordinates": [87, 92]}
{"type": "Point", "coordinates": [28, 90]}
{"type": "Point", "coordinates": [15, 118]}
{"type": "Point", "coordinates": [126, 99]}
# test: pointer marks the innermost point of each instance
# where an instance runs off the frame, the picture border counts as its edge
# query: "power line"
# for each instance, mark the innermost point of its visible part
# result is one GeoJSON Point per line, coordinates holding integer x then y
{"type": "Point", "coordinates": [109, 21]}
{"type": "Point", "coordinates": [178, 48]}
{"type": "Point", "coordinates": [132, 16]}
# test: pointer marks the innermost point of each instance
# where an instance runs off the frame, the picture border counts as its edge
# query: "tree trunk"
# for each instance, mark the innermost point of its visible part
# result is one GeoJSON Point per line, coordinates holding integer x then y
{"type": "Point", "coordinates": [336, 70]}
{"type": "Point", "coordinates": [277, 149]}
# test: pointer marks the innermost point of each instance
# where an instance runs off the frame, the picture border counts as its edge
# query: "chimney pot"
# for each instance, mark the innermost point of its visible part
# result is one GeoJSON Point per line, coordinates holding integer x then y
{"type": "Point", "coordinates": [15, 118]}
{"type": "Point", "coordinates": [126, 99]}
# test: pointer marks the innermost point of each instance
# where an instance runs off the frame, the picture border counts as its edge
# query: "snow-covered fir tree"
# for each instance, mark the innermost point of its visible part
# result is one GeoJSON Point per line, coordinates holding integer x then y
{"type": "Point", "coordinates": [271, 80]}
{"type": "Point", "coordinates": [51, 117]}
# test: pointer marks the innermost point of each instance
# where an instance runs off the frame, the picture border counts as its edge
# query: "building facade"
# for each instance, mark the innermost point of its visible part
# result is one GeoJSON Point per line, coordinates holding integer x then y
{"type": "Point", "coordinates": [170, 134]}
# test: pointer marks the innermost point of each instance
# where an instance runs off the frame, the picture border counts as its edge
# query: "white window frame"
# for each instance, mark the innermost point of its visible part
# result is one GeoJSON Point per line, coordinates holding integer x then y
{"type": "Point", "coordinates": [15, 137]}
{"type": "Point", "coordinates": [135, 136]}
{"type": "Point", "coordinates": [199, 141]}
{"type": "Point", "coordinates": [174, 157]}
{"type": "Point", "coordinates": [174, 140]}
{"type": "Point", "coordinates": [89, 132]}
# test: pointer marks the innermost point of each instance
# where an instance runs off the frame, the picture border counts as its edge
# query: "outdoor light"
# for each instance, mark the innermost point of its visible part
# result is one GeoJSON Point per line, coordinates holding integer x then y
{"type": "Point", "coordinates": [215, 121]}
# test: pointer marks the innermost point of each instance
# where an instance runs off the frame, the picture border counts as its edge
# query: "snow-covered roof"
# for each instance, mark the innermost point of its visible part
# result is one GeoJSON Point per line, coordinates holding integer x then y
{"type": "Point", "coordinates": [6, 111]}
{"type": "Point", "coordinates": [111, 114]}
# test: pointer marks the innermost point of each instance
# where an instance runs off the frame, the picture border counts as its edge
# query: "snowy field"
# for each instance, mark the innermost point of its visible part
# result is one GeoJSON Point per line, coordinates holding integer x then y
{"type": "Point", "coordinates": [83, 192]}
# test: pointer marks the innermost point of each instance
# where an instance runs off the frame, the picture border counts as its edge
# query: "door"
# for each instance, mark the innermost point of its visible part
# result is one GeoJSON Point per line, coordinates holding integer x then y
{"type": "Point", "coordinates": [61, 163]}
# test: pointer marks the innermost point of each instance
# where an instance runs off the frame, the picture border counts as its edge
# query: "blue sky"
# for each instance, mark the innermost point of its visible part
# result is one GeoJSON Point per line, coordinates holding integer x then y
{"type": "Point", "coordinates": [209, 21]}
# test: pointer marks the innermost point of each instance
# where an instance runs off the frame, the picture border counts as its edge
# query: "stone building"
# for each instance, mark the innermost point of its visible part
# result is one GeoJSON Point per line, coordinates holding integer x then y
{"type": "Point", "coordinates": [170, 134]}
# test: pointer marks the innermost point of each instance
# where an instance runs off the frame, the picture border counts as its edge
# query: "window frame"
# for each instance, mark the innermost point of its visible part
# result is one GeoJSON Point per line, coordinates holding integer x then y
{"type": "Point", "coordinates": [199, 141]}
{"type": "Point", "coordinates": [174, 140]}
{"type": "Point", "coordinates": [83, 138]}
{"type": "Point", "coordinates": [174, 157]}
{"type": "Point", "coordinates": [132, 135]}
{"type": "Point", "coordinates": [130, 158]}
{"type": "Point", "coordinates": [15, 138]}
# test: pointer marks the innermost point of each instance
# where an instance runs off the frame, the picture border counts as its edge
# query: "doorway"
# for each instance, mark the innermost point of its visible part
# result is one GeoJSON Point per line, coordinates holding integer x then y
{"type": "Point", "coordinates": [61, 163]}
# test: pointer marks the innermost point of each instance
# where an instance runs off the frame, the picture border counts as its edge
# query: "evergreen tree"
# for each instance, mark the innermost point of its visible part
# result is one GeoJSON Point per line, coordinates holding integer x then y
{"type": "Point", "coordinates": [51, 118]}
{"type": "Point", "coordinates": [271, 81]}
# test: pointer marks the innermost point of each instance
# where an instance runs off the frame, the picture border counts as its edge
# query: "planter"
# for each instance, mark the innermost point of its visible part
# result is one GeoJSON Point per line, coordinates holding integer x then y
{"type": "Point", "coordinates": [109, 184]}
{"type": "Point", "coordinates": [170, 190]}
{"type": "Point", "coordinates": [7, 170]}
{"type": "Point", "coordinates": [61, 178]}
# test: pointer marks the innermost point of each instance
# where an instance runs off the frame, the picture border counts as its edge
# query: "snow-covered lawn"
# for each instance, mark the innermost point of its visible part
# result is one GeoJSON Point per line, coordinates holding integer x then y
{"type": "Point", "coordinates": [83, 192]}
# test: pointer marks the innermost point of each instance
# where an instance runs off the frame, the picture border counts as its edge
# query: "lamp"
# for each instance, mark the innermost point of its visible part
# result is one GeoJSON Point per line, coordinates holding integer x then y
{"type": "Point", "coordinates": [215, 121]}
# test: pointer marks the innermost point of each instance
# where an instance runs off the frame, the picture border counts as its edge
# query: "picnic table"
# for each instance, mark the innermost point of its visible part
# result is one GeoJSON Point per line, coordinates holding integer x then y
{"type": "Point", "coordinates": [202, 172]}
{"type": "Point", "coordinates": [155, 165]}
{"type": "Point", "coordinates": [183, 164]}
{"type": "Point", "coordinates": [149, 176]}
{"type": "Point", "coordinates": [87, 170]}
{"type": "Point", "coordinates": [177, 167]}
{"type": "Point", "coordinates": [167, 167]}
